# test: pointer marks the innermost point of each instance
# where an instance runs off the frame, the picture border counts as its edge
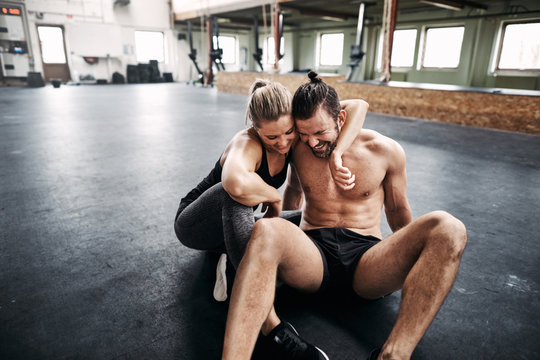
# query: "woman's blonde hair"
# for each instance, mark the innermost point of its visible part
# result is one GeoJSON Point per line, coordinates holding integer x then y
{"type": "Point", "coordinates": [268, 100]}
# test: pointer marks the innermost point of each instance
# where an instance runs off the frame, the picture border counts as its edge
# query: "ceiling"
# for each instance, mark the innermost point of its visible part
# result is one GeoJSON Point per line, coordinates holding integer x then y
{"type": "Point", "coordinates": [301, 12]}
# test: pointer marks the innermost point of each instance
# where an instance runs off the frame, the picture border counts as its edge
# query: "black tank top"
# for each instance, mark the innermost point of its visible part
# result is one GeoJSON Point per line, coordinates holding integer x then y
{"type": "Point", "coordinates": [214, 177]}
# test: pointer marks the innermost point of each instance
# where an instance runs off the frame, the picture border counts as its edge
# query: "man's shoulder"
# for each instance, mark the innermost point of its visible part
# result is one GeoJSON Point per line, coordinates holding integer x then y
{"type": "Point", "coordinates": [376, 142]}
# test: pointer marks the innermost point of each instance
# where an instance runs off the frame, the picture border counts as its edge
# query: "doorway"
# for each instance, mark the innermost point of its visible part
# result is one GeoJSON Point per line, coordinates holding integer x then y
{"type": "Point", "coordinates": [53, 53]}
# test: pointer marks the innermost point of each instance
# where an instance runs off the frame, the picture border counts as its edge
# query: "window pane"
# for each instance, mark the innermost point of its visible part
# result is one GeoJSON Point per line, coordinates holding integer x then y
{"type": "Point", "coordinates": [521, 47]}
{"type": "Point", "coordinates": [403, 48]}
{"type": "Point", "coordinates": [331, 49]}
{"type": "Point", "coordinates": [149, 46]}
{"type": "Point", "coordinates": [52, 45]}
{"type": "Point", "coordinates": [228, 45]}
{"type": "Point", "coordinates": [443, 47]}
{"type": "Point", "coordinates": [270, 50]}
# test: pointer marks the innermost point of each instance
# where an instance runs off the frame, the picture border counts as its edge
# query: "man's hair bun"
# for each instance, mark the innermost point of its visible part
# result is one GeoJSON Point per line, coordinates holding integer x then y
{"type": "Point", "coordinates": [314, 77]}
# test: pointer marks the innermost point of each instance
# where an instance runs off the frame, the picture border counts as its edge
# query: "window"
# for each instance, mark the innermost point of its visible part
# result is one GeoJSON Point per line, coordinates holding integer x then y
{"type": "Point", "coordinates": [331, 50]}
{"type": "Point", "coordinates": [442, 47]}
{"type": "Point", "coordinates": [228, 45]}
{"type": "Point", "coordinates": [52, 44]}
{"type": "Point", "coordinates": [270, 50]}
{"type": "Point", "coordinates": [403, 47]}
{"type": "Point", "coordinates": [149, 46]}
{"type": "Point", "coordinates": [520, 47]}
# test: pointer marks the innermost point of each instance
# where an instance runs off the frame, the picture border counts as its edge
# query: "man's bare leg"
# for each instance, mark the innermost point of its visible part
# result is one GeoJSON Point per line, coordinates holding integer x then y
{"type": "Point", "coordinates": [422, 258]}
{"type": "Point", "coordinates": [276, 247]}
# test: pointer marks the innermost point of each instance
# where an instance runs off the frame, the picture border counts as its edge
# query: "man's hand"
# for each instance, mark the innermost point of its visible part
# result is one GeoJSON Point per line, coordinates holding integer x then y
{"type": "Point", "coordinates": [342, 176]}
{"type": "Point", "coordinates": [272, 209]}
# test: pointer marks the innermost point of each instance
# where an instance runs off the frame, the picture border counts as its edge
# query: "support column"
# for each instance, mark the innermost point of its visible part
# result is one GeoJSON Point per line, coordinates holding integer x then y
{"type": "Point", "coordinates": [278, 30]}
{"type": "Point", "coordinates": [210, 75]}
{"type": "Point", "coordinates": [388, 27]}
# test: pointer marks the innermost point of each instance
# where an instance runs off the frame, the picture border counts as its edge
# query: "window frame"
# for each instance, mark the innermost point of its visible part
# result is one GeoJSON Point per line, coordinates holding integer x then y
{"type": "Point", "coordinates": [319, 50]}
{"type": "Point", "coordinates": [163, 45]}
{"type": "Point", "coordinates": [236, 56]}
{"type": "Point", "coordinates": [266, 58]}
{"type": "Point", "coordinates": [497, 49]}
{"type": "Point", "coordinates": [422, 49]}
{"type": "Point", "coordinates": [404, 68]}
{"type": "Point", "coordinates": [62, 30]}
{"type": "Point", "coordinates": [379, 50]}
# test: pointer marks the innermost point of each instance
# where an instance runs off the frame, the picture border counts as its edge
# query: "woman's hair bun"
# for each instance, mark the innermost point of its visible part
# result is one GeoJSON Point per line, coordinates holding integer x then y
{"type": "Point", "coordinates": [257, 84]}
{"type": "Point", "coordinates": [314, 77]}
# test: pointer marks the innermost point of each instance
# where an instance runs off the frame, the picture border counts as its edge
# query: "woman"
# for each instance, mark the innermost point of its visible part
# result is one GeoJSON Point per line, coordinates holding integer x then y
{"type": "Point", "coordinates": [218, 214]}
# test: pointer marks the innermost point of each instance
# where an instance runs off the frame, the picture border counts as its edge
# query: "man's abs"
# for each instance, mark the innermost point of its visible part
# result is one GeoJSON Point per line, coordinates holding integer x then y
{"type": "Point", "coordinates": [360, 218]}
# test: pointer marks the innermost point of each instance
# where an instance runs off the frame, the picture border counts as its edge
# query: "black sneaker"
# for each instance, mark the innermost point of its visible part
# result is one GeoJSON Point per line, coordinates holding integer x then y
{"type": "Point", "coordinates": [374, 354]}
{"type": "Point", "coordinates": [283, 342]}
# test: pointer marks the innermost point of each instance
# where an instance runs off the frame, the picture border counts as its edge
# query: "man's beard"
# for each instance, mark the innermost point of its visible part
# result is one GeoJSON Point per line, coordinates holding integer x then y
{"type": "Point", "coordinates": [326, 151]}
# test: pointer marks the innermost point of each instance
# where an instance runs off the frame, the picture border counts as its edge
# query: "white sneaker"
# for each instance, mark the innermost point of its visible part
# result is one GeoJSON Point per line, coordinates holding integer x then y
{"type": "Point", "coordinates": [220, 289]}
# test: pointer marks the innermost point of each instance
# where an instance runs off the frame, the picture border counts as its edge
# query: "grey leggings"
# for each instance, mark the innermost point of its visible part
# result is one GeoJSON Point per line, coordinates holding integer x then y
{"type": "Point", "coordinates": [215, 222]}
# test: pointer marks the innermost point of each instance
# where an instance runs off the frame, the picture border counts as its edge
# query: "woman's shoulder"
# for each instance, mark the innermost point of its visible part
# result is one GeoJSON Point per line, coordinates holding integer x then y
{"type": "Point", "coordinates": [246, 144]}
{"type": "Point", "coordinates": [246, 138]}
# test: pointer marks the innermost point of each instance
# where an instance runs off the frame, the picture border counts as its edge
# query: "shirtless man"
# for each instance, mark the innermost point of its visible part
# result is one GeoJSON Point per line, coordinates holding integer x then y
{"type": "Point", "coordinates": [421, 257]}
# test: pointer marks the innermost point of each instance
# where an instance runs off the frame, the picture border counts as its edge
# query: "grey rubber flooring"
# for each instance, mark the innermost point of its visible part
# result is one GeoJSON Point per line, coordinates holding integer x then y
{"type": "Point", "coordinates": [90, 268]}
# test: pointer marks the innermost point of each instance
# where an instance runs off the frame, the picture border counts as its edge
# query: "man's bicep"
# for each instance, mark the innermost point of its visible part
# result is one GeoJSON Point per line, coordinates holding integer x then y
{"type": "Point", "coordinates": [395, 182]}
{"type": "Point", "coordinates": [293, 194]}
{"type": "Point", "coordinates": [396, 204]}
{"type": "Point", "coordinates": [395, 191]}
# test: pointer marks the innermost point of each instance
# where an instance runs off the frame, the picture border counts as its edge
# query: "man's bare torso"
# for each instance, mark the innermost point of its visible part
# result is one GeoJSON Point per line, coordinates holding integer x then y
{"type": "Point", "coordinates": [359, 209]}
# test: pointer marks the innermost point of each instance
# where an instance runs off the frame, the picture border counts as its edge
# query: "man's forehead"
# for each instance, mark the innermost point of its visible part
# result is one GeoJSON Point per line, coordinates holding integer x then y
{"type": "Point", "coordinates": [320, 119]}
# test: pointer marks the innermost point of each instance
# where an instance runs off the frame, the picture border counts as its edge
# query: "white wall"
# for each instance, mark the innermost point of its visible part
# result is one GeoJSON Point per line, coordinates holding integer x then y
{"type": "Point", "coordinates": [101, 29]}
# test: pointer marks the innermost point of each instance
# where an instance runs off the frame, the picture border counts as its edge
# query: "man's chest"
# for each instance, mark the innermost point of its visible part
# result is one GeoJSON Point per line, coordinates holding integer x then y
{"type": "Point", "coordinates": [317, 181]}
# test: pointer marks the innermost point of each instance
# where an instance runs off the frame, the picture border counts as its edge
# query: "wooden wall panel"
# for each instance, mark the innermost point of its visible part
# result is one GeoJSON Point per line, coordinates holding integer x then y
{"type": "Point", "coordinates": [497, 111]}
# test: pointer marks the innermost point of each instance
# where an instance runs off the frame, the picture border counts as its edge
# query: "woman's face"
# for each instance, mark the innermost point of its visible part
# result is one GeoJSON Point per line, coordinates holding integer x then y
{"type": "Point", "coordinates": [277, 136]}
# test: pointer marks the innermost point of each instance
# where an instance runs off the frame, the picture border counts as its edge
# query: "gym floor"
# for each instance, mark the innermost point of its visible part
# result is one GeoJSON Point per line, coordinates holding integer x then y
{"type": "Point", "coordinates": [90, 180]}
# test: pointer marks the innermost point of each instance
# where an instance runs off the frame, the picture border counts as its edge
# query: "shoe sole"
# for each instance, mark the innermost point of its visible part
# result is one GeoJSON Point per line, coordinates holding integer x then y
{"type": "Point", "coordinates": [323, 353]}
{"type": "Point", "coordinates": [220, 288]}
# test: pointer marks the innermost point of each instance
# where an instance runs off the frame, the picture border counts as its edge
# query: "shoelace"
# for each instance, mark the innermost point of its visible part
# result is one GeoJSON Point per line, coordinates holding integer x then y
{"type": "Point", "coordinates": [292, 344]}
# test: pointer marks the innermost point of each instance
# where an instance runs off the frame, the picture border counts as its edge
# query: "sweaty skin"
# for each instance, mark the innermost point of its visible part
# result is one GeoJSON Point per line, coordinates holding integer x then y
{"type": "Point", "coordinates": [379, 165]}
{"type": "Point", "coordinates": [421, 257]}
{"type": "Point", "coordinates": [358, 209]}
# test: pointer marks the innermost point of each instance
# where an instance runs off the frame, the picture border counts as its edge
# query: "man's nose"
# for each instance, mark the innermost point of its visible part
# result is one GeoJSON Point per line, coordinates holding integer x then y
{"type": "Point", "coordinates": [313, 141]}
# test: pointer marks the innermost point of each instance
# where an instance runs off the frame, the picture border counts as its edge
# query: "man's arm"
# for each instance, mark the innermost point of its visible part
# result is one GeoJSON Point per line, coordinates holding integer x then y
{"type": "Point", "coordinates": [396, 205]}
{"type": "Point", "coordinates": [293, 196]}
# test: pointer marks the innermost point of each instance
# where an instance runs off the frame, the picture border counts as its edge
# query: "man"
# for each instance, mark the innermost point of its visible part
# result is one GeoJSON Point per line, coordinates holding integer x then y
{"type": "Point", "coordinates": [337, 244]}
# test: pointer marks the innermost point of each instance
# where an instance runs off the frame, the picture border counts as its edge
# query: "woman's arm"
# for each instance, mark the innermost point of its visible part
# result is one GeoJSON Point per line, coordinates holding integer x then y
{"type": "Point", "coordinates": [239, 178]}
{"type": "Point", "coordinates": [356, 111]}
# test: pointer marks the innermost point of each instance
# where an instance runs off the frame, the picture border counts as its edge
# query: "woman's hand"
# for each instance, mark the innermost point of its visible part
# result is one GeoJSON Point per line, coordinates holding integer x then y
{"type": "Point", "coordinates": [272, 209]}
{"type": "Point", "coordinates": [342, 176]}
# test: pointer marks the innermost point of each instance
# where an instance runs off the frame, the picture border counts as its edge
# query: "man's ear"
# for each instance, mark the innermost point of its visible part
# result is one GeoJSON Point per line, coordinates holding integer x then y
{"type": "Point", "coordinates": [342, 117]}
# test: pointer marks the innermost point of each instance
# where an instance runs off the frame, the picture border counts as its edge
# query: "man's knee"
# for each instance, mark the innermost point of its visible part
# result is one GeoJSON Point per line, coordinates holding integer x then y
{"type": "Point", "coordinates": [265, 239]}
{"type": "Point", "coordinates": [448, 230]}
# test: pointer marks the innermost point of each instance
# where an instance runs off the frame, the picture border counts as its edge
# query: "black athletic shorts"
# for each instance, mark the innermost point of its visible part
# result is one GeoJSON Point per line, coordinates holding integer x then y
{"type": "Point", "coordinates": [341, 250]}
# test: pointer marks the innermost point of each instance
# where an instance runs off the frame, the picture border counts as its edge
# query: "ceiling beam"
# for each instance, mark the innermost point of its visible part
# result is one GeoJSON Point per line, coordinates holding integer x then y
{"type": "Point", "coordinates": [455, 4]}
{"type": "Point", "coordinates": [320, 13]}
